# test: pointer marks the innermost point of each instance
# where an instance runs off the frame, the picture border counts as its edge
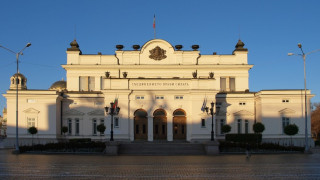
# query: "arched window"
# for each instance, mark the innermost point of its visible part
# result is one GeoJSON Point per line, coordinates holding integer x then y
{"type": "Point", "coordinates": [159, 112]}
{"type": "Point", "coordinates": [140, 113]}
{"type": "Point", "coordinates": [179, 112]}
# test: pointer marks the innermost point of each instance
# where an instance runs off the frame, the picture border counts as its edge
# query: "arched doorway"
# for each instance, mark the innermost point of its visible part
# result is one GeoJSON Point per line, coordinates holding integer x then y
{"type": "Point", "coordinates": [179, 124]}
{"type": "Point", "coordinates": [159, 124]}
{"type": "Point", "coordinates": [140, 125]}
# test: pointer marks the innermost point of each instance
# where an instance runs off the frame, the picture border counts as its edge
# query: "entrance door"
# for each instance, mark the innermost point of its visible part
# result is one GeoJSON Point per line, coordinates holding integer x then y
{"type": "Point", "coordinates": [159, 125]}
{"type": "Point", "coordinates": [179, 125]}
{"type": "Point", "coordinates": [140, 125]}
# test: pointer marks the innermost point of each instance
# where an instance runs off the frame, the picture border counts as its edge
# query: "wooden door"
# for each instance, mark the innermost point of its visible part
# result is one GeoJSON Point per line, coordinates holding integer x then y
{"type": "Point", "coordinates": [179, 128]}
{"type": "Point", "coordinates": [160, 128]}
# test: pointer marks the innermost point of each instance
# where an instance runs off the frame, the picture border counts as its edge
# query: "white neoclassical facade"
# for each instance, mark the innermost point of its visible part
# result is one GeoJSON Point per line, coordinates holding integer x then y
{"type": "Point", "coordinates": [161, 92]}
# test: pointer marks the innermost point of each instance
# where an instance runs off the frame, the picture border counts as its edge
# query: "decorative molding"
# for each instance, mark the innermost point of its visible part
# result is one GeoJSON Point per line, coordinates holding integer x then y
{"type": "Point", "coordinates": [286, 111]}
{"type": "Point", "coordinates": [97, 112]}
{"type": "Point", "coordinates": [157, 53]}
{"type": "Point", "coordinates": [73, 112]}
{"type": "Point", "coordinates": [243, 113]}
{"type": "Point", "coordinates": [31, 110]}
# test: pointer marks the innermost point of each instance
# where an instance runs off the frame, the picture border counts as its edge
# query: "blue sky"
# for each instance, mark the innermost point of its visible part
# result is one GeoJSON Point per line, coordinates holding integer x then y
{"type": "Point", "coordinates": [270, 29]}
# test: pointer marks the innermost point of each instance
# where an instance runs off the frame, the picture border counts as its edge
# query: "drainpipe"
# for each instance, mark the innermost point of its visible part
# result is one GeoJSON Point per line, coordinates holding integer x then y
{"type": "Point", "coordinates": [129, 111]}
{"type": "Point", "coordinates": [115, 55]}
{"type": "Point", "coordinates": [198, 59]}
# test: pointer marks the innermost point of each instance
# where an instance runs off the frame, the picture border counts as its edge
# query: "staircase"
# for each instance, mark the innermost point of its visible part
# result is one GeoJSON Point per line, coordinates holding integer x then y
{"type": "Point", "coordinates": [161, 148]}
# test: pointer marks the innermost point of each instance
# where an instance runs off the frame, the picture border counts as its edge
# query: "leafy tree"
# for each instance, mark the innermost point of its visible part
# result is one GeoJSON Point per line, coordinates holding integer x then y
{"type": "Point", "coordinates": [291, 130]}
{"type": "Point", "coordinates": [101, 128]}
{"type": "Point", "coordinates": [315, 121]}
{"type": "Point", "coordinates": [32, 130]}
{"type": "Point", "coordinates": [226, 128]}
{"type": "Point", "coordinates": [258, 127]}
{"type": "Point", "coordinates": [64, 129]}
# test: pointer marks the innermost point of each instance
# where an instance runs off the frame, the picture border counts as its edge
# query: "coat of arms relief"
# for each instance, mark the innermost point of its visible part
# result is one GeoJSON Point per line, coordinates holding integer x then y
{"type": "Point", "coordinates": [157, 53]}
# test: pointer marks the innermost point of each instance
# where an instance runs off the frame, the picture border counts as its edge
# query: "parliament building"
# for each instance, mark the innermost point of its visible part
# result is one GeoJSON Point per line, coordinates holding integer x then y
{"type": "Point", "coordinates": [162, 92]}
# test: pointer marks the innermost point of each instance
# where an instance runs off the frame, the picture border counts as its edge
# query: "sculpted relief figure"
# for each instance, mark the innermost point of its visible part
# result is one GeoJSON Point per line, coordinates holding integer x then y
{"type": "Point", "coordinates": [157, 53]}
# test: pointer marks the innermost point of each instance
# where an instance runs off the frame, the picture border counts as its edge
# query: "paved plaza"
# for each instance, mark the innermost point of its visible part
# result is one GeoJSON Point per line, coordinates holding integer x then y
{"type": "Point", "coordinates": [280, 166]}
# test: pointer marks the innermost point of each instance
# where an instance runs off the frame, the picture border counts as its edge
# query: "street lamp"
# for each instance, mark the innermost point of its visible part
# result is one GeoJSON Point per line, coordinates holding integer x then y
{"type": "Point", "coordinates": [303, 55]}
{"type": "Point", "coordinates": [212, 114]}
{"type": "Point", "coordinates": [114, 110]}
{"type": "Point", "coordinates": [17, 57]}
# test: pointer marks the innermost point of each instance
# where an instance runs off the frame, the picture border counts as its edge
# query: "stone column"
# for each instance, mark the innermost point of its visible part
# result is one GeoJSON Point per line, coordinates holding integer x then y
{"type": "Point", "coordinates": [150, 128]}
{"type": "Point", "coordinates": [169, 128]}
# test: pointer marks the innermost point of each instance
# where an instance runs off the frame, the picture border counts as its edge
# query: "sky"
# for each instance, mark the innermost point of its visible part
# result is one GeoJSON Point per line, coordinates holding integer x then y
{"type": "Point", "coordinates": [270, 30]}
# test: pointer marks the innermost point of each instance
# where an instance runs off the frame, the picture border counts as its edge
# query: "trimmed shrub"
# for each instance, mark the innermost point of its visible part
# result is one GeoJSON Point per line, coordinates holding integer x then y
{"type": "Point", "coordinates": [258, 127]}
{"type": "Point", "coordinates": [226, 128]}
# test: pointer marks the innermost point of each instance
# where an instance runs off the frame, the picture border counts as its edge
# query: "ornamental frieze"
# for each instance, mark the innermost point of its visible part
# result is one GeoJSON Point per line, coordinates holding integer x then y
{"type": "Point", "coordinates": [157, 53]}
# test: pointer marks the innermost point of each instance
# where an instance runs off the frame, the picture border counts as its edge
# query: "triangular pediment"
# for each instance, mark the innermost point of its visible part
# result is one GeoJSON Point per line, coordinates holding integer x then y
{"type": "Point", "coordinates": [31, 110]}
{"type": "Point", "coordinates": [286, 111]}
{"type": "Point", "coordinates": [97, 112]}
{"type": "Point", "coordinates": [243, 113]}
{"type": "Point", "coordinates": [73, 112]}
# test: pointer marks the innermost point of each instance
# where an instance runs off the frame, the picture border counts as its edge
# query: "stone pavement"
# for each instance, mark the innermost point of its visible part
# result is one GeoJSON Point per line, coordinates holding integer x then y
{"type": "Point", "coordinates": [285, 166]}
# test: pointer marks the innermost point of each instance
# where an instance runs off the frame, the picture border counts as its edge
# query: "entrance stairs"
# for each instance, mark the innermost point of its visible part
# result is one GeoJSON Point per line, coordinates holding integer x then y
{"type": "Point", "coordinates": [161, 148]}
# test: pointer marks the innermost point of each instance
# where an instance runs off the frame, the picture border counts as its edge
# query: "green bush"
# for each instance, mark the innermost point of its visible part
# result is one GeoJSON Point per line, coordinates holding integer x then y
{"type": "Point", "coordinates": [73, 146]}
{"type": "Point", "coordinates": [80, 140]}
{"type": "Point", "coordinates": [226, 146]}
{"type": "Point", "coordinates": [245, 138]}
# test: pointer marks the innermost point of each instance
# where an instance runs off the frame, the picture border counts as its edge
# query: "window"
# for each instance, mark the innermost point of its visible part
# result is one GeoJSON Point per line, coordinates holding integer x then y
{"type": "Point", "coordinates": [218, 103]}
{"type": "Point", "coordinates": [69, 126]}
{"type": "Point", "coordinates": [178, 97]}
{"type": "Point", "coordinates": [159, 97]}
{"type": "Point", "coordinates": [31, 122]}
{"type": "Point", "coordinates": [116, 122]}
{"type": "Point", "coordinates": [285, 122]}
{"type": "Point", "coordinates": [139, 97]}
{"type": "Point", "coordinates": [232, 84]}
{"type": "Point", "coordinates": [222, 122]}
{"type": "Point", "coordinates": [246, 126]}
{"type": "Point", "coordinates": [242, 103]}
{"type": "Point", "coordinates": [101, 83]}
{"type": "Point", "coordinates": [86, 83]}
{"type": "Point", "coordinates": [239, 126]}
{"type": "Point", "coordinates": [31, 100]}
{"type": "Point", "coordinates": [94, 126]}
{"type": "Point", "coordinates": [223, 84]}
{"type": "Point", "coordinates": [91, 82]}
{"type": "Point", "coordinates": [203, 123]}
{"type": "Point", "coordinates": [285, 100]}
{"type": "Point", "coordinates": [77, 126]}
{"type": "Point", "coordinates": [102, 122]}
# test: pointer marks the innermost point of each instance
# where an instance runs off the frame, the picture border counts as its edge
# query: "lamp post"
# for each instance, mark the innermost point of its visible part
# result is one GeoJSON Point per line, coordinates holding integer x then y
{"type": "Point", "coordinates": [303, 55]}
{"type": "Point", "coordinates": [212, 114]}
{"type": "Point", "coordinates": [114, 110]}
{"type": "Point", "coordinates": [17, 58]}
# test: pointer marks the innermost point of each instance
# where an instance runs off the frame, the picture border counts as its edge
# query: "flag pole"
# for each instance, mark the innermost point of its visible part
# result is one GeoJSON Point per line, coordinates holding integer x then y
{"type": "Point", "coordinates": [154, 26]}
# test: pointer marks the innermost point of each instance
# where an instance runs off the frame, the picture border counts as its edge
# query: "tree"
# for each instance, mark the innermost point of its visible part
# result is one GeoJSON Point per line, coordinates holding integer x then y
{"type": "Point", "coordinates": [226, 128]}
{"type": "Point", "coordinates": [64, 129]}
{"type": "Point", "coordinates": [258, 127]}
{"type": "Point", "coordinates": [101, 128]}
{"type": "Point", "coordinates": [315, 121]}
{"type": "Point", "coordinates": [291, 130]}
{"type": "Point", "coordinates": [32, 130]}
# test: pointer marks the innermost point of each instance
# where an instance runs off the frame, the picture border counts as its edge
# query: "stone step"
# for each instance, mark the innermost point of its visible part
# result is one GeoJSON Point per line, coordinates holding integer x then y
{"type": "Point", "coordinates": [161, 149]}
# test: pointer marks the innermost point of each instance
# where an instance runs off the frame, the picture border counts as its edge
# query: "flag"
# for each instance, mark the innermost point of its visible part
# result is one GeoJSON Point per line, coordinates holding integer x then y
{"type": "Point", "coordinates": [115, 104]}
{"type": "Point", "coordinates": [154, 21]}
{"type": "Point", "coordinates": [204, 104]}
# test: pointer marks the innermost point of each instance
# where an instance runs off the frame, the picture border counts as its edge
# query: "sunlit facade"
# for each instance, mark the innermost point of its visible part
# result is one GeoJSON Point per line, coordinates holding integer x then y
{"type": "Point", "coordinates": [162, 92]}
